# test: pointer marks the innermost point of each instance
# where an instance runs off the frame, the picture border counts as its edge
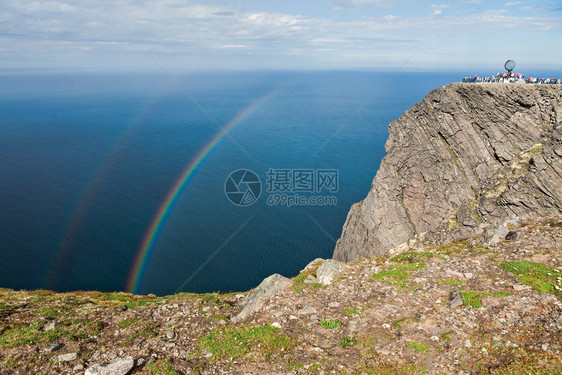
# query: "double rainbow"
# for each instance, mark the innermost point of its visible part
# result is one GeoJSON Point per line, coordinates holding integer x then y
{"type": "Point", "coordinates": [146, 249]}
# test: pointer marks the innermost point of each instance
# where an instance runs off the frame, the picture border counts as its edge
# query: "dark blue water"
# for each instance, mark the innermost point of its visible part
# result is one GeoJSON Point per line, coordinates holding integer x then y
{"type": "Point", "coordinates": [87, 160]}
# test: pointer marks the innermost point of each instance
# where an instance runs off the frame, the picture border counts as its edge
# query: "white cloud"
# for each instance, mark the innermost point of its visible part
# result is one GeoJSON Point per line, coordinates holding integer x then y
{"type": "Point", "coordinates": [350, 4]}
{"type": "Point", "coordinates": [512, 3]}
{"type": "Point", "coordinates": [69, 32]}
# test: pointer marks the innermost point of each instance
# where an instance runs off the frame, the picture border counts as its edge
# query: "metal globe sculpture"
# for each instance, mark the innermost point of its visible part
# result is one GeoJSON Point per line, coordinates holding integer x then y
{"type": "Point", "coordinates": [509, 65]}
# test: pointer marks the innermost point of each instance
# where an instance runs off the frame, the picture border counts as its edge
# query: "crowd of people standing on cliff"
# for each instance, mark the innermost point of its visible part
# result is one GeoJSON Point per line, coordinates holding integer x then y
{"type": "Point", "coordinates": [512, 78]}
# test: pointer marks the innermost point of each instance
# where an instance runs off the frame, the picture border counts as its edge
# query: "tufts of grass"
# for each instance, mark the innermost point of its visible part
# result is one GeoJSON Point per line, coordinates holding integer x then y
{"type": "Point", "coordinates": [348, 341]}
{"type": "Point", "coordinates": [414, 257]}
{"type": "Point", "coordinates": [144, 331]}
{"type": "Point", "coordinates": [503, 361]}
{"type": "Point", "coordinates": [501, 294]}
{"type": "Point", "coordinates": [76, 329]}
{"type": "Point", "coordinates": [447, 335]}
{"type": "Point", "coordinates": [473, 298]}
{"type": "Point", "coordinates": [397, 274]}
{"type": "Point", "coordinates": [161, 367]}
{"type": "Point", "coordinates": [126, 323]}
{"type": "Point", "coordinates": [330, 323]}
{"type": "Point", "coordinates": [6, 310]}
{"type": "Point", "coordinates": [449, 282]}
{"type": "Point", "coordinates": [537, 275]}
{"type": "Point", "coordinates": [453, 247]}
{"type": "Point", "coordinates": [398, 324]}
{"type": "Point", "coordinates": [417, 346]}
{"type": "Point", "coordinates": [229, 343]}
{"type": "Point", "coordinates": [350, 311]}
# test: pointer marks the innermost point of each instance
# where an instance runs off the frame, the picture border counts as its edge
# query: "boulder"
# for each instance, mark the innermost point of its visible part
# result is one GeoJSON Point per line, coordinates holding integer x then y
{"type": "Point", "coordinates": [329, 270]}
{"type": "Point", "coordinates": [121, 366]}
{"type": "Point", "coordinates": [255, 301]}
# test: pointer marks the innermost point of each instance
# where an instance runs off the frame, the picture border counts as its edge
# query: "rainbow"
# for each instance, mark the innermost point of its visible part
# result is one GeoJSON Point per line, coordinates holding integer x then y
{"type": "Point", "coordinates": [151, 237]}
{"type": "Point", "coordinates": [87, 195]}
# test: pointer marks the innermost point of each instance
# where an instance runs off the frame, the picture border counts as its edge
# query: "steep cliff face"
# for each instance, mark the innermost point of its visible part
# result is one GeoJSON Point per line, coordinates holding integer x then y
{"type": "Point", "coordinates": [463, 160]}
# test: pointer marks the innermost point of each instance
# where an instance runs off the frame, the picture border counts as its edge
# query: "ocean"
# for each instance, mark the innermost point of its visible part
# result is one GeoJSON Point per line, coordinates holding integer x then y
{"type": "Point", "coordinates": [117, 182]}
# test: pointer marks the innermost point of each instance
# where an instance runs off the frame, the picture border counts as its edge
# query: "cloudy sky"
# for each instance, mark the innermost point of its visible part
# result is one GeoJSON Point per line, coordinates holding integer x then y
{"type": "Point", "coordinates": [278, 34]}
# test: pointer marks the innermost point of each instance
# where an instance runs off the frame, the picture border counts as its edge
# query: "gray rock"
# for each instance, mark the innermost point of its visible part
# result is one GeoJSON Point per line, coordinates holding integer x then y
{"type": "Point", "coordinates": [307, 310]}
{"type": "Point", "coordinates": [67, 357]}
{"type": "Point", "coordinates": [329, 270]}
{"type": "Point", "coordinates": [51, 326]}
{"type": "Point", "coordinates": [310, 279]}
{"type": "Point", "coordinates": [170, 335]}
{"type": "Point", "coordinates": [458, 163]}
{"type": "Point", "coordinates": [52, 347]}
{"type": "Point", "coordinates": [255, 301]}
{"type": "Point", "coordinates": [121, 366]}
{"type": "Point", "coordinates": [455, 299]}
{"type": "Point", "coordinates": [78, 367]}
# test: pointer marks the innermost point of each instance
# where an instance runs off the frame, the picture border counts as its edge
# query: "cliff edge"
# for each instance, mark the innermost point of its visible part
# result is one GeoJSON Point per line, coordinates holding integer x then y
{"type": "Point", "coordinates": [465, 161]}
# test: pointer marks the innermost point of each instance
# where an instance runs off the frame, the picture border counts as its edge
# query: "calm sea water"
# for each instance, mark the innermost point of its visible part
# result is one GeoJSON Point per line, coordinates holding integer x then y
{"type": "Point", "coordinates": [87, 161]}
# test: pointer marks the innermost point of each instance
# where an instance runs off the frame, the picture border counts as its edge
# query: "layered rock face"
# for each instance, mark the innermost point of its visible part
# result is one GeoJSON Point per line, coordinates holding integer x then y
{"type": "Point", "coordinates": [465, 159]}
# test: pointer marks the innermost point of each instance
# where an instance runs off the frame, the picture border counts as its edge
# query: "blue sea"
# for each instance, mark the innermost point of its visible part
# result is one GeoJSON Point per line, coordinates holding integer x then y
{"type": "Point", "coordinates": [88, 160]}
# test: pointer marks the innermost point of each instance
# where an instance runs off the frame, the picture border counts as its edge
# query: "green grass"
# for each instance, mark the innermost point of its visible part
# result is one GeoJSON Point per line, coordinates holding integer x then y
{"type": "Point", "coordinates": [76, 329]}
{"type": "Point", "coordinates": [161, 367]}
{"type": "Point", "coordinates": [449, 282]}
{"type": "Point", "coordinates": [330, 323]}
{"type": "Point", "coordinates": [229, 343]}
{"type": "Point", "coordinates": [414, 257]}
{"type": "Point", "coordinates": [473, 298]}
{"type": "Point", "coordinates": [398, 323]}
{"type": "Point", "coordinates": [417, 346]}
{"type": "Point", "coordinates": [453, 247]}
{"type": "Point", "coordinates": [350, 311]}
{"type": "Point", "coordinates": [145, 331]}
{"type": "Point", "coordinates": [447, 335]}
{"type": "Point", "coordinates": [537, 275]}
{"type": "Point", "coordinates": [348, 341]}
{"type": "Point", "coordinates": [6, 310]}
{"type": "Point", "coordinates": [126, 323]}
{"type": "Point", "coordinates": [501, 294]}
{"type": "Point", "coordinates": [397, 274]}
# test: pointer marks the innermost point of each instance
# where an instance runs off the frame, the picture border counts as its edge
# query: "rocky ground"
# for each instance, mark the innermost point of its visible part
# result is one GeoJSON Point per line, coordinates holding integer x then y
{"type": "Point", "coordinates": [457, 308]}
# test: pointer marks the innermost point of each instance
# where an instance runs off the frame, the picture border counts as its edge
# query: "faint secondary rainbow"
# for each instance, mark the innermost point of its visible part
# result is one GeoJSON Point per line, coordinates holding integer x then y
{"type": "Point", "coordinates": [151, 237]}
{"type": "Point", "coordinates": [87, 195]}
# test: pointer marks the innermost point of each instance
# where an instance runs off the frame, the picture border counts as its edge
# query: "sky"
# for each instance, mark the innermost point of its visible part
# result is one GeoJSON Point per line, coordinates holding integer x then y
{"type": "Point", "coordinates": [193, 35]}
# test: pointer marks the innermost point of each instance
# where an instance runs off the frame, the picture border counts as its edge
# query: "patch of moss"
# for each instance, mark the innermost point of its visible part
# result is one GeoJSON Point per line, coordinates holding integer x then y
{"type": "Point", "coordinates": [330, 323]}
{"type": "Point", "coordinates": [397, 274]}
{"type": "Point", "coordinates": [414, 256]}
{"type": "Point", "coordinates": [501, 294]}
{"type": "Point", "coordinates": [537, 275]}
{"type": "Point", "coordinates": [229, 343]}
{"type": "Point", "coordinates": [348, 341]}
{"type": "Point", "coordinates": [400, 322]}
{"type": "Point", "coordinates": [447, 335]}
{"type": "Point", "coordinates": [126, 323]}
{"type": "Point", "coordinates": [449, 282]}
{"type": "Point", "coordinates": [453, 247]}
{"type": "Point", "coordinates": [504, 361]}
{"type": "Point", "coordinates": [161, 367]}
{"type": "Point", "coordinates": [417, 346]}
{"type": "Point", "coordinates": [76, 329]}
{"type": "Point", "coordinates": [473, 298]}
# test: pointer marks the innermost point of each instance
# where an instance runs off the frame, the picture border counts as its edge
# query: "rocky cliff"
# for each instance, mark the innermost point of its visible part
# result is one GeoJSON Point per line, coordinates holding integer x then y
{"type": "Point", "coordinates": [465, 161]}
